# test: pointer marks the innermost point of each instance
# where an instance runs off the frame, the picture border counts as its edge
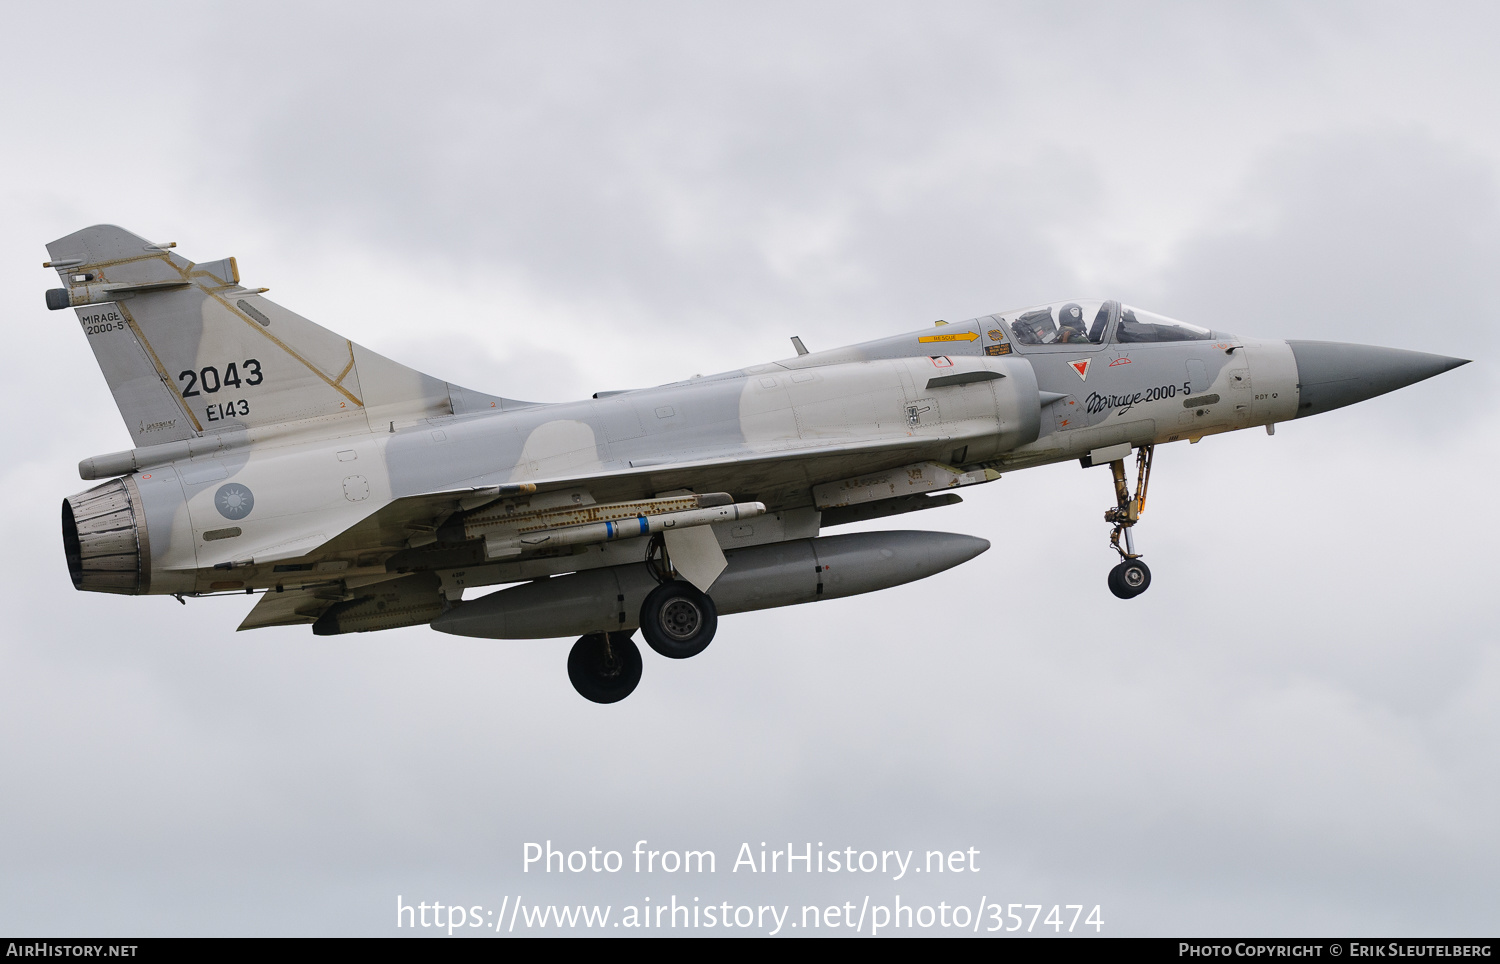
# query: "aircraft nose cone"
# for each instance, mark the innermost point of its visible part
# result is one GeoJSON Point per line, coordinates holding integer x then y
{"type": "Point", "coordinates": [1333, 374]}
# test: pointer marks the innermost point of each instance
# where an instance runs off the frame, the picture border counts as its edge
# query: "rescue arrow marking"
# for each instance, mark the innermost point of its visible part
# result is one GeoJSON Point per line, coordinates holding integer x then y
{"type": "Point", "coordinates": [958, 336]}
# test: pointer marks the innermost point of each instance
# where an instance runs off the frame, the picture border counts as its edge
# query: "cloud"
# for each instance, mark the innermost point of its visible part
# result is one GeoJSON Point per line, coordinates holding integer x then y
{"type": "Point", "coordinates": [1294, 731]}
{"type": "Point", "coordinates": [1379, 236]}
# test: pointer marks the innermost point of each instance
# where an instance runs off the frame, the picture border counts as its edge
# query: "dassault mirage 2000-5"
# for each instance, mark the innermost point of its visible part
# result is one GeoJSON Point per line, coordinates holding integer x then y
{"type": "Point", "coordinates": [274, 456]}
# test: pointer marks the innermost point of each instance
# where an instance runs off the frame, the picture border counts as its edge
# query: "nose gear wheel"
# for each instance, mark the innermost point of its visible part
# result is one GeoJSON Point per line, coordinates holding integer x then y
{"type": "Point", "coordinates": [1129, 579]}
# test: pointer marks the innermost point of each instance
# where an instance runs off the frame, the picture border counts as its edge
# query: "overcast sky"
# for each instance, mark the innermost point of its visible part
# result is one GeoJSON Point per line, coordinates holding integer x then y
{"type": "Point", "coordinates": [1296, 731]}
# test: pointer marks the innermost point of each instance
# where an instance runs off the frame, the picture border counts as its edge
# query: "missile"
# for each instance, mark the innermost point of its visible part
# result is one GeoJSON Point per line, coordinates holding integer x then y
{"type": "Point", "coordinates": [513, 544]}
{"type": "Point", "coordinates": [757, 577]}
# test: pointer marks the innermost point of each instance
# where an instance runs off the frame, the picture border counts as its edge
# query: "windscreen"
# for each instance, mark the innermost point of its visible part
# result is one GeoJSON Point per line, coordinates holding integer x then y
{"type": "Point", "coordinates": [1143, 326]}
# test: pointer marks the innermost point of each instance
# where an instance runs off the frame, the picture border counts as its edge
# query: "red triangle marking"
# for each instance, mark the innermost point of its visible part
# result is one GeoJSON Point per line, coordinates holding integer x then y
{"type": "Point", "coordinates": [1081, 367]}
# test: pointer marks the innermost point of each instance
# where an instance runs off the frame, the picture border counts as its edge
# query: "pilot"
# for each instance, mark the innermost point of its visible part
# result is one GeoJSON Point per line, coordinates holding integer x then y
{"type": "Point", "coordinates": [1070, 326]}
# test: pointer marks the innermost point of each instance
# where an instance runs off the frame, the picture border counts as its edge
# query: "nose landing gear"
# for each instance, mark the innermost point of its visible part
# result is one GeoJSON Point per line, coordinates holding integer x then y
{"type": "Point", "coordinates": [1132, 576]}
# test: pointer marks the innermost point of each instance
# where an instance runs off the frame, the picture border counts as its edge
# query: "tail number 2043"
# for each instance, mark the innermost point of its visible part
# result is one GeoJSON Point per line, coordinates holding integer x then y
{"type": "Point", "coordinates": [208, 379]}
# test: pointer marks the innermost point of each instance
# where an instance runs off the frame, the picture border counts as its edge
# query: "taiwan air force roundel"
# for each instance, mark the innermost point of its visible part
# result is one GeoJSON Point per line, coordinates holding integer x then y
{"type": "Point", "coordinates": [1081, 367]}
{"type": "Point", "coordinates": [234, 501]}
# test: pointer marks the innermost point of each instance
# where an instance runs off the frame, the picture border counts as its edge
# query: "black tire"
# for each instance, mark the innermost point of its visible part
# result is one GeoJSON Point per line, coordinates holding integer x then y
{"type": "Point", "coordinates": [1130, 578]}
{"type": "Point", "coordinates": [677, 620]}
{"type": "Point", "coordinates": [605, 669]}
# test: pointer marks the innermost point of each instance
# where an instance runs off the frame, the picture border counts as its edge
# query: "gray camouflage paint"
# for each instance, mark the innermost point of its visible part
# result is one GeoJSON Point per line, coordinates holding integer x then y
{"type": "Point", "coordinates": [356, 462]}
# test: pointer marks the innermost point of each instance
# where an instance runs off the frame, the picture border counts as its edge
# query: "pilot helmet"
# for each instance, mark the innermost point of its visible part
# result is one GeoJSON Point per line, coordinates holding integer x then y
{"type": "Point", "coordinates": [1071, 316]}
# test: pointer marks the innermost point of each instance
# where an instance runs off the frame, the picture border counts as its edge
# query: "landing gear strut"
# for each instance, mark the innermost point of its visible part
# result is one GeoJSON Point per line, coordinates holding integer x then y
{"type": "Point", "coordinates": [1131, 577]}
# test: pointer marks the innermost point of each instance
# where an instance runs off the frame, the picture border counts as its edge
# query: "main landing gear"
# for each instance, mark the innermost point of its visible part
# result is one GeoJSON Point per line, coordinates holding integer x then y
{"type": "Point", "coordinates": [605, 667]}
{"type": "Point", "coordinates": [677, 619]}
{"type": "Point", "coordinates": [1131, 577]}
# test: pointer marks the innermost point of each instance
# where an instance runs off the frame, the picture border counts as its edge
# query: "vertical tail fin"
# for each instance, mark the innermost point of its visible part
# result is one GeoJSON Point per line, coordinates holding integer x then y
{"type": "Point", "coordinates": [188, 351]}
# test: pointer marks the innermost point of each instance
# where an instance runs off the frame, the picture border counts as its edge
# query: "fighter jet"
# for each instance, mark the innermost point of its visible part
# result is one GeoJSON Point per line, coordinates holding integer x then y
{"type": "Point", "coordinates": [354, 494]}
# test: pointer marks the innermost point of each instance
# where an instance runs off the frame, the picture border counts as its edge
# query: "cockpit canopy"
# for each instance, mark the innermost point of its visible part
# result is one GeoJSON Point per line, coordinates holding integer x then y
{"type": "Point", "coordinates": [1080, 323]}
